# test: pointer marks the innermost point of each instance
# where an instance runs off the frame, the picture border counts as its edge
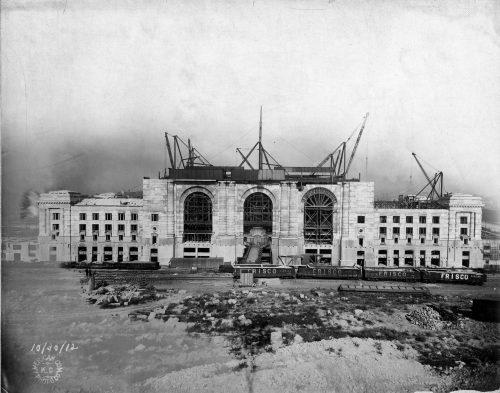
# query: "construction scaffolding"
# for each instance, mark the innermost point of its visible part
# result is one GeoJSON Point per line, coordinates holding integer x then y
{"type": "Point", "coordinates": [318, 219]}
{"type": "Point", "coordinates": [258, 212]}
{"type": "Point", "coordinates": [197, 218]}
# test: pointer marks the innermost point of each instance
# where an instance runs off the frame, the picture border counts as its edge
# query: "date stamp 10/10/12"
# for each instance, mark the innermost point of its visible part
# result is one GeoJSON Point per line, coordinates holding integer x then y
{"type": "Point", "coordinates": [53, 348]}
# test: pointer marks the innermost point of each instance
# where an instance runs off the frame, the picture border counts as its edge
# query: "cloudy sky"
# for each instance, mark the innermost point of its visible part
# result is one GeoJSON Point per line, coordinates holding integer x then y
{"type": "Point", "coordinates": [89, 88]}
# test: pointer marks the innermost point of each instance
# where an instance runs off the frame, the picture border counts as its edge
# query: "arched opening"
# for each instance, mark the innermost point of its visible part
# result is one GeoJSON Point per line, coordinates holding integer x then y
{"type": "Point", "coordinates": [197, 218]}
{"type": "Point", "coordinates": [318, 218]}
{"type": "Point", "coordinates": [258, 213]}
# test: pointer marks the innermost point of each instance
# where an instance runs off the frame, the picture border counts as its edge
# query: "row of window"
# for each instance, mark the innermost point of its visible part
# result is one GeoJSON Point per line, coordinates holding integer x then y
{"type": "Point", "coordinates": [107, 227]}
{"type": "Point", "coordinates": [107, 237]}
{"type": "Point", "coordinates": [421, 231]}
{"type": "Point", "coordinates": [396, 241]}
{"type": "Point", "coordinates": [133, 254]}
{"type": "Point", "coordinates": [109, 216]}
{"type": "Point", "coordinates": [409, 219]}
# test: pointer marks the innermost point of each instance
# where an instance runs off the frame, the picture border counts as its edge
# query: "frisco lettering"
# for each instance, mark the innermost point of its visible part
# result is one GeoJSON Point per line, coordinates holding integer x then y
{"type": "Point", "coordinates": [454, 276]}
{"type": "Point", "coordinates": [398, 273]}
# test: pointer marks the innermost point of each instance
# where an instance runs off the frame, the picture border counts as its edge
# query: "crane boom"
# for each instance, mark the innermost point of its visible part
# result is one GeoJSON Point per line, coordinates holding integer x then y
{"type": "Point", "coordinates": [356, 144]}
{"type": "Point", "coordinates": [421, 167]}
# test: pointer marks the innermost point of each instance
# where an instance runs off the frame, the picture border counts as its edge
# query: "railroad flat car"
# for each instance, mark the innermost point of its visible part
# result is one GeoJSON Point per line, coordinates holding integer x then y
{"type": "Point", "coordinates": [391, 274]}
{"type": "Point", "coordinates": [453, 276]}
{"type": "Point", "coordinates": [329, 272]}
{"type": "Point", "coordinates": [265, 271]}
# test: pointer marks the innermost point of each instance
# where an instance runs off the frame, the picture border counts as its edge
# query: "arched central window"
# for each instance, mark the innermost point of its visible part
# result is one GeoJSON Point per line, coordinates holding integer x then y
{"type": "Point", "coordinates": [197, 218]}
{"type": "Point", "coordinates": [258, 212]}
{"type": "Point", "coordinates": [318, 218]}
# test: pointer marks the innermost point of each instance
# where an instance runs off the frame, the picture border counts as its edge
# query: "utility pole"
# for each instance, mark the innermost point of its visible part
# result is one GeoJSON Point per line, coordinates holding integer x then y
{"type": "Point", "coordinates": [260, 139]}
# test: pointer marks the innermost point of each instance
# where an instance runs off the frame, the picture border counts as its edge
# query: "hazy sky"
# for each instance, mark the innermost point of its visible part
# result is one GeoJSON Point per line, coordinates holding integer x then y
{"type": "Point", "coordinates": [89, 87]}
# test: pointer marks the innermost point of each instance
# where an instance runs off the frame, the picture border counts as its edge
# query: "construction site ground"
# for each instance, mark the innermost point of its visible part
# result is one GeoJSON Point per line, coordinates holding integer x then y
{"type": "Point", "coordinates": [208, 336]}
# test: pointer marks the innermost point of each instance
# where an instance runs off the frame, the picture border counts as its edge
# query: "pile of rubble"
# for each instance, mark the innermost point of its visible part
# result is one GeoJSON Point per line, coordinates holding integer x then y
{"type": "Point", "coordinates": [426, 317]}
{"type": "Point", "coordinates": [121, 295]}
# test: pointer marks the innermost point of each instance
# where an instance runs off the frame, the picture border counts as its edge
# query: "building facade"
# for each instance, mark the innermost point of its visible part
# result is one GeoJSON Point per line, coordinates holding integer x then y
{"type": "Point", "coordinates": [214, 211]}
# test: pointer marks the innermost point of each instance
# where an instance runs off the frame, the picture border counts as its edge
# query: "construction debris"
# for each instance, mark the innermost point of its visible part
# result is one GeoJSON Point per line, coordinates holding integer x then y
{"type": "Point", "coordinates": [427, 318]}
{"type": "Point", "coordinates": [121, 295]}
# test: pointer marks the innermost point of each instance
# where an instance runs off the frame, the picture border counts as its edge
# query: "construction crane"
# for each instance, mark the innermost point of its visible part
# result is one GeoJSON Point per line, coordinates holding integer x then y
{"type": "Point", "coordinates": [434, 184]}
{"type": "Point", "coordinates": [338, 157]}
{"type": "Point", "coordinates": [263, 153]}
{"type": "Point", "coordinates": [178, 160]}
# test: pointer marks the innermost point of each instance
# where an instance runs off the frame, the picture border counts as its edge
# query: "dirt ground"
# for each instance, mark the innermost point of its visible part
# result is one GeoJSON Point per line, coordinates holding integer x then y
{"type": "Point", "coordinates": [205, 335]}
{"type": "Point", "coordinates": [318, 341]}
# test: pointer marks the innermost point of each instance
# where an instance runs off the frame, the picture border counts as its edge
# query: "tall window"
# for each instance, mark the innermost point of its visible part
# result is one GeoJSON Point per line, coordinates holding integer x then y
{"type": "Point", "coordinates": [258, 212]}
{"type": "Point", "coordinates": [318, 218]}
{"type": "Point", "coordinates": [197, 218]}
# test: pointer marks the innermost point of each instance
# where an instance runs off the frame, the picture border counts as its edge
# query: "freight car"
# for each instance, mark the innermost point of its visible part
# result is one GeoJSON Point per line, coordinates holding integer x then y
{"type": "Point", "coordinates": [328, 272]}
{"type": "Point", "coordinates": [266, 271]}
{"type": "Point", "coordinates": [453, 276]}
{"type": "Point", "coordinates": [368, 273]}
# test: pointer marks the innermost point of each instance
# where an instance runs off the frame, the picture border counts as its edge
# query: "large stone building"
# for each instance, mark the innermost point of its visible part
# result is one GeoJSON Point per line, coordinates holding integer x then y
{"type": "Point", "coordinates": [200, 212]}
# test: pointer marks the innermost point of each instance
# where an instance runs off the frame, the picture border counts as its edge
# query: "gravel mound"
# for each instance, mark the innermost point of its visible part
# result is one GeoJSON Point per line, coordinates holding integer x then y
{"type": "Point", "coordinates": [426, 317]}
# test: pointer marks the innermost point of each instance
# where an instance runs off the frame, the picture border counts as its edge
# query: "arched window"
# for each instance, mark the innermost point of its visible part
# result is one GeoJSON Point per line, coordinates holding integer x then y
{"type": "Point", "coordinates": [318, 218]}
{"type": "Point", "coordinates": [258, 212]}
{"type": "Point", "coordinates": [197, 218]}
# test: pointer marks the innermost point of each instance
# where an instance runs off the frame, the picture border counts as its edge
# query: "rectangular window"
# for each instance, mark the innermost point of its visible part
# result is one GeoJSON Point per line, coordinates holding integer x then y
{"type": "Point", "coordinates": [82, 237]}
{"type": "Point", "coordinates": [134, 216]}
{"type": "Point", "coordinates": [83, 227]}
{"type": "Point", "coordinates": [395, 258]}
{"type": "Point", "coordinates": [463, 231]}
{"type": "Point", "coordinates": [395, 219]}
{"type": "Point", "coordinates": [134, 238]}
{"type": "Point", "coordinates": [422, 258]}
{"type": "Point", "coordinates": [361, 219]}
{"type": "Point", "coordinates": [120, 238]}
{"type": "Point", "coordinates": [422, 240]}
{"type": "Point", "coordinates": [422, 219]}
{"type": "Point", "coordinates": [465, 258]}
{"type": "Point", "coordinates": [133, 227]}
{"type": "Point", "coordinates": [94, 254]}
{"type": "Point", "coordinates": [409, 219]}
{"type": "Point", "coordinates": [94, 238]}
{"type": "Point", "coordinates": [154, 239]}
{"type": "Point", "coordinates": [154, 217]}
{"type": "Point", "coordinates": [383, 230]}
{"type": "Point", "coordinates": [55, 216]}
{"type": "Point", "coordinates": [108, 216]}
{"type": "Point", "coordinates": [95, 227]}
{"type": "Point", "coordinates": [435, 219]}
{"type": "Point", "coordinates": [409, 257]}
{"type": "Point", "coordinates": [463, 220]}
{"type": "Point", "coordinates": [95, 216]}
{"type": "Point", "coordinates": [383, 219]}
{"type": "Point", "coordinates": [108, 227]}
{"type": "Point", "coordinates": [360, 260]}
{"type": "Point", "coordinates": [382, 240]}
{"type": "Point", "coordinates": [409, 231]}
{"type": "Point", "coordinates": [435, 240]}
{"type": "Point", "coordinates": [83, 216]}
{"type": "Point", "coordinates": [16, 247]}
{"type": "Point", "coordinates": [108, 238]}
{"type": "Point", "coordinates": [435, 231]}
{"type": "Point", "coordinates": [422, 231]}
{"type": "Point", "coordinates": [121, 216]}
{"type": "Point", "coordinates": [382, 257]}
{"type": "Point", "coordinates": [121, 227]}
{"type": "Point", "coordinates": [435, 258]}
{"type": "Point", "coordinates": [396, 240]}
{"type": "Point", "coordinates": [55, 227]}
{"type": "Point", "coordinates": [360, 241]}
{"type": "Point", "coordinates": [395, 231]}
